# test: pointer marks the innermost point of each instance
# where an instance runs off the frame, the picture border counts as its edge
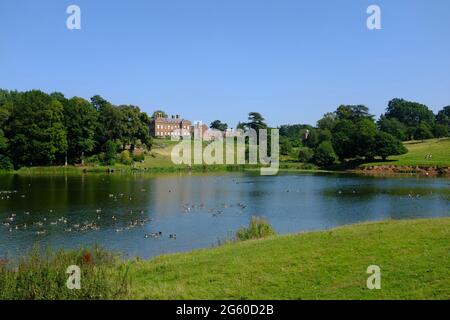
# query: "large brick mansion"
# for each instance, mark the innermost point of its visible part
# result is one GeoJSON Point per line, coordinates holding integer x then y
{"type": "Point", "coordinates": [165, 127]}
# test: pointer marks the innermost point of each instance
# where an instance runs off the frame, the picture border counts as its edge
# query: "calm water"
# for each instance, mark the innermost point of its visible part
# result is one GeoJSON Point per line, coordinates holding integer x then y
{"type": "Point", "coordinates": [117, 211]}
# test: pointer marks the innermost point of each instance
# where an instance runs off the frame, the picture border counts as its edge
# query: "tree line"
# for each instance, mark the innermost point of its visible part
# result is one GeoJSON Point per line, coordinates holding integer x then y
{"type": "Point", "coordinates": [351, 132]}
{"type": "Point", "coordinates": [39, 129]}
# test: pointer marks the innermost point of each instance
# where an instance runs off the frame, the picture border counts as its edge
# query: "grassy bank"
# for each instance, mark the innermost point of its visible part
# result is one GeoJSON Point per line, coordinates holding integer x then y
{"type": "Point", "coordinates": [413, 256]}
{"type": "Point", "coordinates": [43, 276]}
{"type": "Point", "coordinates": [419, 154]}
{"type": "Point", "coordinates": [158, 161]}
{"type": "Point", "coordinates": [427, 153]}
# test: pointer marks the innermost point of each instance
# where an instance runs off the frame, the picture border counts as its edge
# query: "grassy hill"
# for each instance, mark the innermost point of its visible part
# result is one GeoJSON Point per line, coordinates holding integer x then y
{"type": "Point", "coordinates": [418, 152]}
{"type": "Point", "coordinates": [413, 256]}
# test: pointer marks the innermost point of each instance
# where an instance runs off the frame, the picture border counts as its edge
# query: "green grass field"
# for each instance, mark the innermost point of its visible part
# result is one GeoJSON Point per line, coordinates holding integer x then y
{"type": "Point", "coordinates": [414, 258]}
{"type": "Point", "coordinates": [417, 155]}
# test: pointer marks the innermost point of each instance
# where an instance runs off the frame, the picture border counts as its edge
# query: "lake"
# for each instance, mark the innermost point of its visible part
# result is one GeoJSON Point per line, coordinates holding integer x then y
{"type": "Point", "coordinates": [117, 211]}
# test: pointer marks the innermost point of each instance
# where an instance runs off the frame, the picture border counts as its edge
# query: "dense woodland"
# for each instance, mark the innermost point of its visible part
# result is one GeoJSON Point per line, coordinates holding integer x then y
{"type": "Point", "coordinates": [39, 129]}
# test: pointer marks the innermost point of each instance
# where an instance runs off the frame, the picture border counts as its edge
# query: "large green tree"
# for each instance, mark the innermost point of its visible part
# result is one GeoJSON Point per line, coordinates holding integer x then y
{"type": "Point", "coordinates": [411, 114]}
{"type": "Point", "coordinates": [443, 117]}
{"type": "Point", "coordinates": [394, 127]}
{"type": "Point", "coordinates": [387, 145]}
{"type": "Point", "coordinates": [35, 129]}
{"type": "Point", "coordinates": [134, 126]}
{"type": "Point", "coordinates": [353, 113]}
{"type": "Point", "coordinates": [80, 119]}
{"type": "Point", "coordinates": [343, 138]}
{"type": "Point", "coordinates": [5, 110]}
{"type": "Point", "coordinates": [110, 122]}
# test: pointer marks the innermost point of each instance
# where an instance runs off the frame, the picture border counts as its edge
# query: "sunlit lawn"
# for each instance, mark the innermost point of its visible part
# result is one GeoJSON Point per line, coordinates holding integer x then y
{"type": "Point", "coordinates": [439, 149]}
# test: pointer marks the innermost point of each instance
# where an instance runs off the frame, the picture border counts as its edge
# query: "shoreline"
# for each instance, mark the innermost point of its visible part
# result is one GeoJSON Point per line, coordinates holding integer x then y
{"type": "Point", "coordinates": [240, 270]}
{"type": "Point", "coordinates": [371, 170]}
{"type": "Point", "coordinates": [418, 170]}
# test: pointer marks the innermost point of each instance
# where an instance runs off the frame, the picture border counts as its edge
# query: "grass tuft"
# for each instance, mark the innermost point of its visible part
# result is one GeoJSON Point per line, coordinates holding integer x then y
{"type": "Point", "coordinates": [258, 228]}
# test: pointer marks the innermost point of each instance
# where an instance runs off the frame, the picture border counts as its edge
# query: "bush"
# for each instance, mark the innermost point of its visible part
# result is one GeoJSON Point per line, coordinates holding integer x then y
{"type": "Point", "coordinates": [5, 163]}
{"type": "Point", "coordinates": [324, 155]}
{"type": "Point", "coordinates": [285, 146]}
{"type": "Point", "coordinates": [305, 154]}
{"type": "Point", "coordinates": [42, 276]}
{"type": "Point", "coordinates": [125, 157]}
{"type": "Point", "coordinates": [110, 152]}
{"type": "Point", "coordinates": [258, 228]}
{"type": "Point", "coordinates": [139, 157]}
{"type": "Point", "coordinates": [93, 160]}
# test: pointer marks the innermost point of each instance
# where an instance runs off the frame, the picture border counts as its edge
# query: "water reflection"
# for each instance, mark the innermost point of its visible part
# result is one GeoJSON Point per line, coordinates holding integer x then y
{"type": "Point", "coordinates": [117, 211]}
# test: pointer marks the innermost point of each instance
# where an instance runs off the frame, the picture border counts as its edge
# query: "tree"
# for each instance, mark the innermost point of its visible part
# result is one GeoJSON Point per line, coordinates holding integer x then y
{"type": "Point", "coordinates": [240, 126]}
{"type": "Point", "coordinates": [110, 124]}
{"type": "Point", "coordinates": [218, 125]}
{"type": "Point", "coordinates": [256, 121]}
{"type": "Point", "coordinates": [327, 122]}
{"type": "Point", "coordinates": [411, 114]}
{"type": "Point", "coordinates": [36, 129]}
{"type": "Point", "coordinates": [4, 114]}
{"type": "Point", "coordinates": [443, 117]}
{"type": "Point", "coordinates": [98, 102]}
{"type": "Point", "coordinates": [285, 146]}
{"type": "Point", "coordinates": [364, 138]}
{"type": "Point", "coordinates": [440, 131]}
{"type": "Point", "coordinates": [324, 155]}
{"type": "Point", "coordinates": [394, 127]}
{"type": "Point", "coordinates": [80, 119]}
{"type": "Point", "coordinates": [423, 132]}
{"type": "Point", "coordinates": [343, 139]}
{"type": "Point", "coordinates": [5, 163]}
{"type": "Point", "coordinates": [134, 127]}
{"type": "Point", "coordinates": [353, 113]}
{"type": "Point", "coordinates": [387, 145]}
{"type": "Point", "coordinates": [305, 154]}
{"type": "Point", "coordinates": [110, 152]}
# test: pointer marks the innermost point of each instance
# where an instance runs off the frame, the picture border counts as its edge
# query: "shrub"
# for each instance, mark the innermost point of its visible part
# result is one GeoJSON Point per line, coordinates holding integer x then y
{"type": "Point", "coordinates": [324, 155]}
{"type": "Point", "coordinates": [5, 163]}
{"type": "Point", "coordinates": [125, 157]}
{"type": "Point", "coordinates": [305, 154]}
{"type": "Point", "coordinates": [93, 160]}
{"type": "Point", "coordinates": [139, 157]}
{"type": "Point", "coordinates": [258, 228]}
{"type": "Point", "coordinates": [110, 152]}
{"type": "Point", "coordinates": [285, 146]}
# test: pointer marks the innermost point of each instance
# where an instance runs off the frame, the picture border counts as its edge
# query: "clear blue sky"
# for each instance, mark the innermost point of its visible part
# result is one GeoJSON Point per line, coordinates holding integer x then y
{"type": "Point", "coordinates": [291, 60]}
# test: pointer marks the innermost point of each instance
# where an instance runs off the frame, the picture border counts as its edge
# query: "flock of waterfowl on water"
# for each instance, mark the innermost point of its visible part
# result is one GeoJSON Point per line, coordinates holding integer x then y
{"type": "Point", "coordinates": [45, 223]}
